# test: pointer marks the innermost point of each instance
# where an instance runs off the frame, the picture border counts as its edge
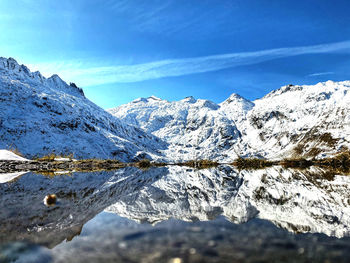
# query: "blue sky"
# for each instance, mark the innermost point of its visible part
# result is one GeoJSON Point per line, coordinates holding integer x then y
{"type": "Point", "coordinates": [121, 50]}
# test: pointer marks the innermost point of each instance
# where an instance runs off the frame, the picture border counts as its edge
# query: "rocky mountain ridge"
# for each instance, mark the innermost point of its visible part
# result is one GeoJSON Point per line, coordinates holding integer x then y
{"type": "Point", "coordinates": [40, 116]}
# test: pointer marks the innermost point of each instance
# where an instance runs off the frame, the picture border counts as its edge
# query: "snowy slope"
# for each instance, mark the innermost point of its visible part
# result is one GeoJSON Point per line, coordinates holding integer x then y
{"type": "Point", "coordinates": [309, 121]}
{"type": "Point", "coordinates": [10, 156]}
{"type": "Point", "coordinates": [40, 116]}
{"type": "Point", "coordinates": [301, 120]}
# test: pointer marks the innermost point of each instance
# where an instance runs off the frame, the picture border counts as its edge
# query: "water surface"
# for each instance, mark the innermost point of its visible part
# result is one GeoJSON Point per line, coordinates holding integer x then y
{"type": "Point", "coordinates": [177, 214]}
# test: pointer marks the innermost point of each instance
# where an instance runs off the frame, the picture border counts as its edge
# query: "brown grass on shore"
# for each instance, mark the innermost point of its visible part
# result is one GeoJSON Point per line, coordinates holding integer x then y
{"type": "Point", "coordinates": [144, 164]}
{"type": "Point", "coordinates": [200, 164]}
{"type": "Point", "coordinates": [252, 163]}
{"type": "Point", "coordinates": [340, 162]}
{"type": "Point", "coordinates": [52, 156]}
{"type": "Point", "coordinates": [299, 163]}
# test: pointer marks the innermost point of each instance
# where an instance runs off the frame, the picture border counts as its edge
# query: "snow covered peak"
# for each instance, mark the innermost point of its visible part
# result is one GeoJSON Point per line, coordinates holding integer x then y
{"type": "Point", "coordinates": [321, 87]}
{"type": "Point", "coordinates": [206, 104]}
{"type": "Point", "coordinates": [55, 80]}
{"type": "Point", "coordinates": [296, 120]}
{"type": "Point", "coordinates": [296, 96]}
{"type": "Point", "coordinates": [10, 69]}
{"type": "Point", "coordinates": [189, 99]}
{"type": "Point", "coordinates": [236, 104]}
{"type": "Point", "coordinates": [10, 65]}
{"type": "Point", "coordinates": [283, 89]}
{"type": "Point", "coordinates": [151, 99]}
{"type": "Point", "coordinates": [186, 124]}
{"type": "Point", "coordinates": [154, 98]}
{"type": "Point", "coordinates": [236, 98]}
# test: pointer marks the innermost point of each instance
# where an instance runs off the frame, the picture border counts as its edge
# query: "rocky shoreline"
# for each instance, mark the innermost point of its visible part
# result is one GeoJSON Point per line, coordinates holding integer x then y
{"type": "Point", "coordinates": [83, 165]}
{"type": "Point", "coordinates": [339, 163]}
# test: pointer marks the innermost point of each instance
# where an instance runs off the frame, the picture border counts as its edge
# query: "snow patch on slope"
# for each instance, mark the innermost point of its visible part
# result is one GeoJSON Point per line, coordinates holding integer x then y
{"type": "Point", "coordinates": [6, 155]}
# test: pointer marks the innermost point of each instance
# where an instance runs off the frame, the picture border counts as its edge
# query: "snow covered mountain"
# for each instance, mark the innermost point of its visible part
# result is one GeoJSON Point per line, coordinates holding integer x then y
{"type": "Point", "coordinates": [309, 121]}
{"type": "Point", "coordinates": [193, 128]}
{"type": "Point", "coordinates": [41, 115]}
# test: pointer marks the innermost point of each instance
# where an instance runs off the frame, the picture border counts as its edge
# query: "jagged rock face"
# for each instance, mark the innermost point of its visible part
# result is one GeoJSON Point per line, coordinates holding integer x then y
{"type": "Point", "coordinates": [12, 70]}
{"type": "Point", "coordinates": [309, 121]}
{"type": "Point", "coordinates": [40, 116]}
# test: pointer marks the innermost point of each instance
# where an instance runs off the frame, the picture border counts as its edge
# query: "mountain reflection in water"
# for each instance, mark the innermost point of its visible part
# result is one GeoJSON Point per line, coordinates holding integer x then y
{"type": "Point", "coordinates": [131, 214]}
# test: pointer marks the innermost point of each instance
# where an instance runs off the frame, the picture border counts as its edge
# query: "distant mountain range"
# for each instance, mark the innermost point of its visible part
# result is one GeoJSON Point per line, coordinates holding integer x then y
{"type": "Point", "coordinates": [41, 115]}
{"type": "Point", "coordinates": [293, 121]}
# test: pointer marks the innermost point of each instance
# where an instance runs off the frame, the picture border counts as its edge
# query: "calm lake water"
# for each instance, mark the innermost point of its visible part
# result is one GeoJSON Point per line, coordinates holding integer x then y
{"type": "Point", "coordinates": [176, 214]}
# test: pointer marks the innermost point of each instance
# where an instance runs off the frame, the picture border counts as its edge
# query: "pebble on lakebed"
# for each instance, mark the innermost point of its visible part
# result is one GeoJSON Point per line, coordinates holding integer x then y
{"type": "Point", "coordinates": [50, 200]}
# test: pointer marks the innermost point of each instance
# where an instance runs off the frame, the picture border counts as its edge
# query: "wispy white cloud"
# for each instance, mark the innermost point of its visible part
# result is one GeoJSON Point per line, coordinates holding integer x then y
{"type": "Point", "coordinates": [321, 74]}
{"type": "Point", "coordinates": [88, 76]}
{"type": "Point", "coordinates": [171, 17]}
